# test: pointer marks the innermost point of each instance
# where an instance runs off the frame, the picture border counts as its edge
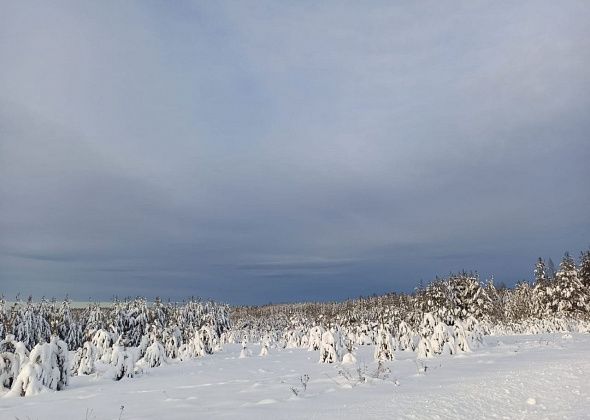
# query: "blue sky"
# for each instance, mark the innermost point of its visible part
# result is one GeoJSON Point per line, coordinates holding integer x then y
{"type": "Point", "coordinates": [278, 151]}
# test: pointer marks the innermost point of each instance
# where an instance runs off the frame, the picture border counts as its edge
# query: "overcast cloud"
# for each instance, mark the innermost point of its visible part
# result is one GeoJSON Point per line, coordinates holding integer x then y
{"type": "Point", "coordinates": [279, 151]}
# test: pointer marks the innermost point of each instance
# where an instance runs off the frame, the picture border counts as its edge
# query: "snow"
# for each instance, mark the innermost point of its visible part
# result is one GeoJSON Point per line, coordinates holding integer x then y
{"type": "Point", "coordinates": [519, 376]}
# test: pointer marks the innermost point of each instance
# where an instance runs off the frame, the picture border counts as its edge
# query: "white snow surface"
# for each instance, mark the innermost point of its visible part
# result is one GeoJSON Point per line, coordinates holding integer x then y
{"type": "Point", "coordinates": [511, 377]}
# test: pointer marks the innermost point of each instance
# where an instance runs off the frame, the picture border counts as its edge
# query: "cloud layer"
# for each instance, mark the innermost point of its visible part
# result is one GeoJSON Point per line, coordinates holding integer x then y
{"type": "Point", "coordinates": [287, 151]}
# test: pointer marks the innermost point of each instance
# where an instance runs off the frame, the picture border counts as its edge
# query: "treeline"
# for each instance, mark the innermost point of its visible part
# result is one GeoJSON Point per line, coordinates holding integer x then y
{"type": "Point", "coordinates": [35, 322]}
{"type": "Point", "coordinates": [551, 294]}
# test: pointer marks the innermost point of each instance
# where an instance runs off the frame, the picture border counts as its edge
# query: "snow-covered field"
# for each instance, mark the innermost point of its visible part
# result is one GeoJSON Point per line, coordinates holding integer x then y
{"type": "Point", "coordinates": [513, 377]}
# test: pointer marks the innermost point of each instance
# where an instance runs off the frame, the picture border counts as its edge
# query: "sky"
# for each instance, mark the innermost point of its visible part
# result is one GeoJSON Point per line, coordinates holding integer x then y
{"type": "Point", "coordinates": [276, 151]}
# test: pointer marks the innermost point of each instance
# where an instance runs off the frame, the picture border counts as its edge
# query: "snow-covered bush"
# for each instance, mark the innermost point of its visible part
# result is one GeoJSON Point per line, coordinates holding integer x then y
{"type": "Point", "coordinates": [349, 358]}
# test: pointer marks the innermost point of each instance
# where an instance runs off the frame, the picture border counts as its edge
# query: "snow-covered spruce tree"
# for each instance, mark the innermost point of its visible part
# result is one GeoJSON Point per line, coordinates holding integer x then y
{"type": "Point", "coordinates": [461, 339]}
{"type": "Point", "coordinates": [495, 313]}
{"type": "Point", "coordinates": [573, 297]}
{"type": "Point", "coordinates": [265, 345]}
{"type": "Point", "coordinates": [155, 355]}
{"type": "Point", "coordinates": [315, 338]}
{"type": "Point", "coordinates": [441, 340]}
{"type": "Point", "coordinates": [330, 350]}
{"type": "Point", "coordinates": [10, 344]}
{"type": "Point", "coordinates": [85, 358]}
{"type": "Point", "coordinates": [30, 324]}
{"type": "Point", "coordinates": [541, 300]}
{"type": "Point", "coordinates": [47, 368]}
{"type": "Point", "coordinates": [540, 272]}
{"type": "Point", "coordinates": [384, 346]}
{"type": "Point", "coordinates": [122, 360]}
{"type": "Point", "coordinates": [75, 362]}
{"type": "Point", "coordinates": [304, 342]}
{"type": "Point", "coordinates": [3, 317]}
{"type": "Point", "coordinates": [28, 381]}
{"type": "Point", "coordinates": [436, 298]}
{"type": "Point", "coordinates": [66, 326]}
{"type": "Point", "coordinates": [474, 333]}
{"type": "Point", "coordinates": [130, 318]}
{"type": "Point", "coordinates": [519, 303]}
{"type": "Point", "coordinates": [172, 338]}
{"type": "Point", "coordinates": [60, 348]}
{"type": "Point", "coordinates": [9, 369]}
{"type": "Point", "coordinates": [365, 335]}
{"type": "Point", "coordinates": [405, 337]}
{"type": "Point", "coordinates": [208, 337]}
{"type": "Point", "coordinates": [103, 342]}
{"type": "Point", "coordinates": [94, 318]}
{"type": "Point", "coordinates": [159, 314]}
{"type": "Point", "coordinates": [139, 312]}
{"type": "Point", "coordinates": [144, 343]}
{"type": "Point", "coordinates": [292, 338]}
{"type": "Point", "coordinates": [584, 270]}
{"type": "Point", "coordinates": [424, 349]}
{"type": "Point", "coordinates": [245, 351]}
{"type": "Point", "coordinates": [193, 348]}
{"type": "Point", "coordinates": [469, 297]}
{"type": "Point", "coordinates": [12, 356]}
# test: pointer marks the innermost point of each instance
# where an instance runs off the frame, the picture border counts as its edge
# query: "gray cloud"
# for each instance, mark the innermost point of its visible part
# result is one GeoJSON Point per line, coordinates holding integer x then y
{"type": "Point", "coordinates": [288, 151]}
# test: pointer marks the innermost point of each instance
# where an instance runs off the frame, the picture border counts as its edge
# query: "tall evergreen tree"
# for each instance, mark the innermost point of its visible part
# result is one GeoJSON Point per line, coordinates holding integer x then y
{"type": "Point", "coordinates": [584, 271]}
{"type": "Point", "coordinates": [541, 299]}
{"type": "Point", "coordinates": [573, 297]}
{"type": "Point", "coordinates": [540, 271]}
